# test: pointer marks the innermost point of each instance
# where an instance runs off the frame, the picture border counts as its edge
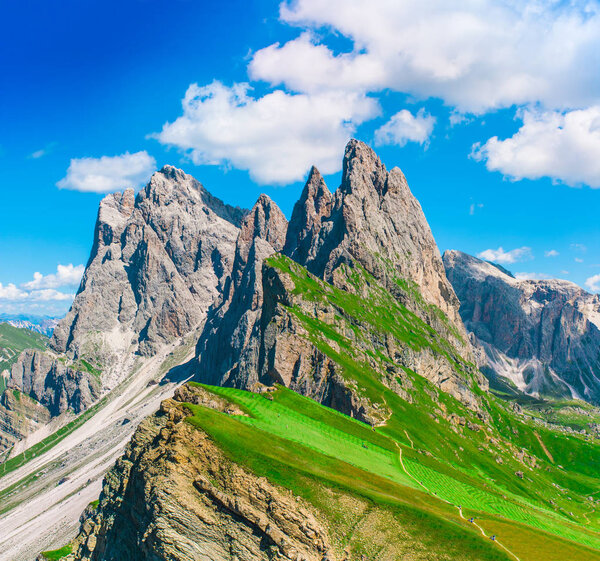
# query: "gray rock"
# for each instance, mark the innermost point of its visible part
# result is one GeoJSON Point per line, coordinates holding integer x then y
{"type": "Point", "coordinates": [375, 220]}
{"type": "Point", "coordinates": [158, 262]}
{"type": "Point", "coordinates": [372, 222]}
{"type": "Point", "coordinates": [542, 335]}
{"type": "Point", "coordinates": [228, 347]}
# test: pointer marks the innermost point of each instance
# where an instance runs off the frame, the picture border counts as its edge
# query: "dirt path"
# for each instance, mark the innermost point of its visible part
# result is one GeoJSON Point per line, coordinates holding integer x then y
{"type": "Point", "coordinates": [46, 510]}
{"type": "Point", "coordinates": [585, 515]}
{"type": "Point", "coordinates": [543, 446]}
{"type": "Point", "coordinates": [448, 502]}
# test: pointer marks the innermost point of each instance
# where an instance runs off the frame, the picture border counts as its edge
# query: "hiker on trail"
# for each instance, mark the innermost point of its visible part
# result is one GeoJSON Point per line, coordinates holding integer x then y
{"type": "Point", "coordinates": [493, 538]}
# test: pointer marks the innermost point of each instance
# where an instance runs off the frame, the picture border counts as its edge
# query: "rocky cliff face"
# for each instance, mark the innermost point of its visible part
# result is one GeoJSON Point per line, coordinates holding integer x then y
{"type": "Point", "coordinates": [228, 348]}
{"type": "Point", "coordinates": [542, 335]}
{"type": "Point", "coordinates": [157, 264]}
{"type": "Point", "coordinates": [175, 495]}
{"type": "Point", "coordinates": [372, 227]}
{"type": "Point", "coordinates": [39, 388]}
{"type": "Point", "coordinates": [373, 219]}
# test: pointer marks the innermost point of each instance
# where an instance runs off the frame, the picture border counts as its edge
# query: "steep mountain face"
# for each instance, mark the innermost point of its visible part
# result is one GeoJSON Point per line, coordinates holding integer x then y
{"type": "Point", "coordinates": [542, 335]}
{"type": "Point", "coordinates": [39, 388]}
{"type": "Point", "coordinates": [228, 347]}
{"type": "Point", "coordinates": [157, 263]}
{"type": "Point", "coordinates": [373, 228]}
{"type": "Point", "coordinates": [372, 219]}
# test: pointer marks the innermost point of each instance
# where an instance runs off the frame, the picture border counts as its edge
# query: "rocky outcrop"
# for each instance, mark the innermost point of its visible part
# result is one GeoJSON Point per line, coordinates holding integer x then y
{"type": "Point", "coordinates": [53, 384]}
{"type": "Point", "coordinates": [229, 345]}
{"type": "Point", "coordinates": [39, 388]}
{"type": "Point", "coordinates": [541, 335]}
{"type": "Point", "coordinates": [20, 415]}
{"type": "Point", "coordinates": [176, 495]}
{"type": "Point", "coordinates": [373, 219]}
{"type": "Point", "coordinates": [314, 205]}
{"type": "Point", "coordinates": [158, 262]}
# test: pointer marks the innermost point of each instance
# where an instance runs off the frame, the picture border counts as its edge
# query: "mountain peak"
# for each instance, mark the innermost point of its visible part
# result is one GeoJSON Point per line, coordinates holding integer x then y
{"type": "Point", "coordinates": [362, 168]}
{"type": "Point", "coordinates": [315, 202]}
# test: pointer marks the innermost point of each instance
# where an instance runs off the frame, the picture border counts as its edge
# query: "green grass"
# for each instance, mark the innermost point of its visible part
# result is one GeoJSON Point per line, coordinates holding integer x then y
{"type": "Point", "coordinates": [307, 426]}
{"type": "Point", "coordinates": [55, 554]}
{"type": "Point", "coordinates": [294, 418]}
{"type": "Point", "coordinates": [85, 366]}
{"type": "Point", "coordinates": [300, 452]}
{"type": "Point", "coordinates": [476, 467]}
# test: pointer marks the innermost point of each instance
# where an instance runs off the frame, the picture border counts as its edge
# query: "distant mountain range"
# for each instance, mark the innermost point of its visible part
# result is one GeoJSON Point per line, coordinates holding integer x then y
{"type": "Point", "coordinates": [41, 324]}
{"type": "Point", "coordinates": [541, 337]}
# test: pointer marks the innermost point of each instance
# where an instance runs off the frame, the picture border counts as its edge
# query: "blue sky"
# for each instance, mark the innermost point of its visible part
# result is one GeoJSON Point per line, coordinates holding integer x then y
{"type": "Point", "coordinates": [281, 86]}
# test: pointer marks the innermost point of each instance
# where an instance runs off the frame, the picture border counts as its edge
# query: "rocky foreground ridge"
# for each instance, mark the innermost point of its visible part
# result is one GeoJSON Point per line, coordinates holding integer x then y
{"type": "Point", "coordinates": [543, 336]}
{"type": "Point", "coordinates": [175, 494]}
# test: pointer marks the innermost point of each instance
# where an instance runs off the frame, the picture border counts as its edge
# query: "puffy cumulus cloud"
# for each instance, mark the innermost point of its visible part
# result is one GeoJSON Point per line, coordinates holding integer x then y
{"type": "Point", "coordinates": [11, 292]}
{"type": "Point", "coordinates": [66, 275]}
{"type": "Point", "coordinates": [593, 283]}
{"type": "Point", "coordinates": [562, 146]}
{"type": "Point", "coordinates": [405, 127]}
{"type": "Point", "coordinates": [551, 253]}
{"type": "Point", "coordinates": [506, 257]}
{"type": "Point", "coordinates": [109, 173]}
{"type": "Point", "coordinates": [474, 55]}
{"type": "Point", "coordinates": [276, 137]}
{"type": "Point", "coordinates": [41, 294]}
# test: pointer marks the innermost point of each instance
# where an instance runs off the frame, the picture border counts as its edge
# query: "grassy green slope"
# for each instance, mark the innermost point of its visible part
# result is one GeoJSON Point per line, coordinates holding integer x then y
{"type": "Point", "coordinates": [288, 437]}
{"type": "Point", "coordinates": [13, 341]}
{"type": "Point", "coordinates": [447, 450]}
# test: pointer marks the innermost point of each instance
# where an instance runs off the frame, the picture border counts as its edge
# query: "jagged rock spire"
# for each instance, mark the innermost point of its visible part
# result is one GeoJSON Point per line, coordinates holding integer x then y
{"type": "Point", "coordinates": [227, 349]}
{"type": "Point", "coordinates": [315, 202]}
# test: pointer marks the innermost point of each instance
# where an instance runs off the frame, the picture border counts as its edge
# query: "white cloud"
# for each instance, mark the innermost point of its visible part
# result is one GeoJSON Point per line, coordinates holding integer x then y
{"type": "Point", "coordinates": [506, 257]}
{"type": "Point", "coordinates": [276, 137]}
{"type": "Point", "coordinates": [109, 173]}
{"type": "Point", "coordinates": [562, 146]}
{"type": "Point", "coordinates": [41, 293]}
{"type": "Point", "coordinates": [578, 247]}
{"type": "Point", "coordinates": [405, 127]}
{"type": "Point", "coordinates": [551, 253]}
{"type": "Point", "coordinates": [475, 55]}
{"type": "Point", "coordinates": [532, 276]}
{"type": "Point", "coordinates": [474, 207]}
{"type": "Point", "coordinates": [11, 292]}
{"type": "Point", "coordinates": [593, 283]}
{"type": "Point", "coordinates": [66, 275]}
{"type": "Point", "coordinates": [578, 260]}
